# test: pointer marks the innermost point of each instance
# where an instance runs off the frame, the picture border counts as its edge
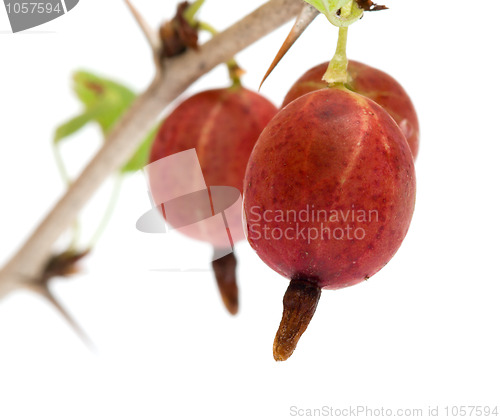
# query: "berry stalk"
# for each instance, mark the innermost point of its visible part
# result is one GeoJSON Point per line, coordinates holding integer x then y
{"type": "Point", "coordinates": [337, 69]}
{"type": "Point", "coordinates": [336, 72]}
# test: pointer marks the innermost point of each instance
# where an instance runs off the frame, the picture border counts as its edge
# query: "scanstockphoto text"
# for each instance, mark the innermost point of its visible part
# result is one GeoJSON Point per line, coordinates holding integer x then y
{"type": "Point", "coordinates": [381, 411]}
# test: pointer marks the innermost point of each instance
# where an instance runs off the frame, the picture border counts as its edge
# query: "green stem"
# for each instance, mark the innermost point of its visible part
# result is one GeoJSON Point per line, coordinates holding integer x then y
{"type": "Point", "coordinates": [204, 26]}
{"type": "Point", "coordinates": [60, 164]}
{"type": "Point", "coordinates": [191, 11]}
{"type": "Point", "coordinates": [109, 211]}
{"type": "Point", "coordinates": [234, 71]}
{"type": "Point", "coordinates": [233, 68]}
{"type": "Point", "coordinates": [337, 69]}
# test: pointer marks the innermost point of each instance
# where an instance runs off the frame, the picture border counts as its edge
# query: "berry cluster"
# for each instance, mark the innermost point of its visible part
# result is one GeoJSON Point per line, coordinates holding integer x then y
{"type": "Point", "coordinates": [328, 180]}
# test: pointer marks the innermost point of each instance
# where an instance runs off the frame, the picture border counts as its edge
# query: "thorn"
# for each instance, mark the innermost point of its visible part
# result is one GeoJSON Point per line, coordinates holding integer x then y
{"type": "Point", "coordinates": [44, 291]}
{"type": "Point", "coordinates": [151, 36]}
{"type": "Point", "coordinates": [306, 16]}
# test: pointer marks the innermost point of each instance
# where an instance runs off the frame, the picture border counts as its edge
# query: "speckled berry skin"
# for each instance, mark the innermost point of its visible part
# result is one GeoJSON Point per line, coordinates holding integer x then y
{"type": "Point", "coordinates": [223, 126]}
{"type": "Point", "coordinates": [374, 84]}
{"type": "Point", "coordinates": [332, 151]}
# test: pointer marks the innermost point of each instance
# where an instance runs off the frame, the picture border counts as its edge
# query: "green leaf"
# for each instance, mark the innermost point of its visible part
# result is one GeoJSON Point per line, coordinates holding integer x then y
{"type": "Point", "coordinates": [105, 102]}
{"type": "Point", "coordinates": [91, 88]}
{"type": "Point", "coordinates": [141, 156]}
{"type": "Point", "coordinates": [327, 6]}
{"type": "Point", "coordinates": [112, 98]}
{"type": "Point", "coordinates": [72, 126]}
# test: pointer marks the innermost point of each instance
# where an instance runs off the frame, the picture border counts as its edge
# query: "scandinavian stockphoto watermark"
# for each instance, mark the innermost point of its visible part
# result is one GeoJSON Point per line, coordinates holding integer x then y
{"type": "Point", "coordinates": [28, 14]}
{"type": "Point", "coordinates": [182, 202]}
{"type": "Point", "coordinates": [310, 223]}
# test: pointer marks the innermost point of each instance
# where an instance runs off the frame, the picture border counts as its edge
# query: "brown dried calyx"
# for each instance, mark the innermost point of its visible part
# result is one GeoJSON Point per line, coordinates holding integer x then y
{"type": "Point", "coordinates": [299, 304]}
{"type": "Point", "coordinates": [177, 35]}
{"type": "Point", "coordinates": [62, 265]}
{"type": "Point", "coordinates": [225, 274]}
{"type": "Point", "coordinates": [369, 6]}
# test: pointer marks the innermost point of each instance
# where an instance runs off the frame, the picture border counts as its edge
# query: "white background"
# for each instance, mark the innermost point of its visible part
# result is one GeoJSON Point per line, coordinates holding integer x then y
{"type": "Point", "coordinates": [422, 332]}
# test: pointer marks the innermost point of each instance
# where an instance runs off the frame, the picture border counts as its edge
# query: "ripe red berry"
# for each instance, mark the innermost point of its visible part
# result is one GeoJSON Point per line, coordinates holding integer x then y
{"type": "Point", "coordinates": [223, 126]}
{"type": "Point", "coordinates": [329, 195]}
{"type": "Point", "coordinates": [374, 84]}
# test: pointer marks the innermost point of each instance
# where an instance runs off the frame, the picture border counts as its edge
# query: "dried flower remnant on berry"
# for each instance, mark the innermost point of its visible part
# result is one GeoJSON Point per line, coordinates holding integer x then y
{"type": "Point", "coordinates": [225, 274]}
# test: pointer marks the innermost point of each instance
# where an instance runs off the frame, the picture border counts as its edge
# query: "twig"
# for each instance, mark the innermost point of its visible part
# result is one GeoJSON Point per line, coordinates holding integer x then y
{"type": "Point", "coordinates": [27, 264]}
